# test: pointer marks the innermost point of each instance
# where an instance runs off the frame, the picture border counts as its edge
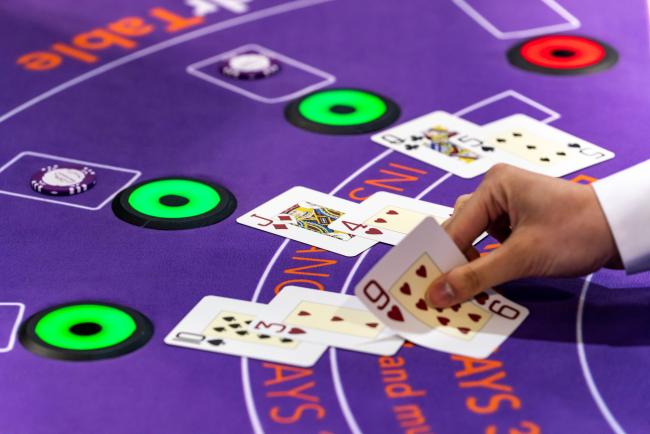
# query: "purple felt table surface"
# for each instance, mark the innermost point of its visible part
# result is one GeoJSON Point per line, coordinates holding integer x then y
{"type": "Point", "coordinates": [578, 364]}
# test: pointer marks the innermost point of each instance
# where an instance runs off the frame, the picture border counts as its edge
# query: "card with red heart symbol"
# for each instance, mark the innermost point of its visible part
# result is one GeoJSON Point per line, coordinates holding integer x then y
{"type": "Point", "coordinates": [388, 217]}
{"type": "Point", "coordinates": [329, 318]}
{"type": "Point", "coordinates": [302, 214]}
{"type": "Point", "coordinates": [394, 290]}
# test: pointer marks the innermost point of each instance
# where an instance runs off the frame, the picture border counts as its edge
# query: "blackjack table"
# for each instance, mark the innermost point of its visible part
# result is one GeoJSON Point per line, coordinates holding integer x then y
{"type": "Point", "coordinates": [133, 134]}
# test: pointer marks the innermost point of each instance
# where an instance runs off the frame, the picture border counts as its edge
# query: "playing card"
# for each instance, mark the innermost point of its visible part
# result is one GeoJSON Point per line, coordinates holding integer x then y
{"type": "Point", "coordinates": [394, 290]}
{"type": "Point", "coordinates": [440, 139]}
{"type": "Point", "coordinates": [388, 217]}
{"type": "Point", "coordinates": [220, 325]}
{"type": "Point", "coordinates": [533, 145]}
{"type": "Point", "coordinates": [328, 318]}
{"type": "Point", "coordinates": [303, 215]}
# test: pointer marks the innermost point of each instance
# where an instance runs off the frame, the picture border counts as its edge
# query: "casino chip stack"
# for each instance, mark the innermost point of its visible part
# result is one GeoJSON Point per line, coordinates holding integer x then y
{"type": "Point", "coordinates": [85, 331]}
{"type": "Point", "coordinates": [249, 66]}
{"type": "Point", "coordinates": [562, 55]}
{"type": "Point", "coordinates": [174, 203]}
{"type": "Point", "coordinates": [342, 111]}
{"type": "Point", "coordinates": [63, 180]}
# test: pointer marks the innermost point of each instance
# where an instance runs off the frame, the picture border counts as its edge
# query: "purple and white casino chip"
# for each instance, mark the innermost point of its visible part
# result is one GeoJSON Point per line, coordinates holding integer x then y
{"type": "Point", "coordinates": [63, 180]}
{"type": "Point", "coordinates": [249, 66]}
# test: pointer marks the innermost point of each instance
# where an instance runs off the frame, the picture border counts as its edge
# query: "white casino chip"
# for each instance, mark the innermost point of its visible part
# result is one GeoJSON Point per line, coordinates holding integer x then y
{"type": "Point", "coordinates": [65, 180]}
{"type": "Point", "coordinates": [250, 66]}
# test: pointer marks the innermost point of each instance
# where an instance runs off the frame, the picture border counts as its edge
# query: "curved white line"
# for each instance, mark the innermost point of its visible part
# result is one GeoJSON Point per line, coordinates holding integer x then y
{"type": "Point", "coordinates": [440, 180]}
{"type": "Point", "coordinates": [253, 16]}
{"type": "Point", "coordinates": [340, 394]}
{"type": "Point", "coordinates": [360, 170]}
{"type": "Point", "coordinates": [591, 384]}
{"type": "Point", "coordinates": [334, 365]}
{"type": "Point", "coordinates": [249, 399]}
{"type": "Point", "coordinates": [267, 270]}
{"type": "Point", "coordinates": [245, 374]}
{"type": "Point", "coordinates": [222, 25]}
{"type": "Point", "coordinates": [248, 392]}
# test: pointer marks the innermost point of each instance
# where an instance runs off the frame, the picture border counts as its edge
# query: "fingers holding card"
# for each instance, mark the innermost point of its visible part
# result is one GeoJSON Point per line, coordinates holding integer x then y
{"type": "Point", "coordinates": [394, 290]}
{"type": "Point", "coordinates": [303, 215]}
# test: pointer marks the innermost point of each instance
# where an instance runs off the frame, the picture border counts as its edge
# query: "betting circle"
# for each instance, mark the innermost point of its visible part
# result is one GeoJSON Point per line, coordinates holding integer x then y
{"type": "Point", "coordinates": [174, 203]}
{"type": "Point", "coordinates": [342, 111]}
{"type": "Point", "coordinates": [563, 55]}
{"type": "Point", "coordinates": [85, 331]}
{"type": "Point", "coordinates": [63, 180]}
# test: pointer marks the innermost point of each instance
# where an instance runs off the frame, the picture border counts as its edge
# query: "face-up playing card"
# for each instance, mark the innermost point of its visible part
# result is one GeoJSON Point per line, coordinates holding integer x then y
{"type": "Point", "coordinates": [394, 290]}
{"type": "Point", "coordinates": [328, 318]}
{"type": "Point", "coordinates": [303, 215]}
{"type": "Point", "coordinates": [221, 324]}
{"type": "Point", "coordinates": [440, 139]}
{"type": "Point", "coordinates": [533, 145]}
{"type": "Point", "coordinates": [388, 217]}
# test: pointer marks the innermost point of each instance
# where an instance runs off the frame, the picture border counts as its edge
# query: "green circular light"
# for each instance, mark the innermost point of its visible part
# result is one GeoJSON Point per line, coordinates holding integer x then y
{"type": "Point", "coordinates": [201, 198]}
{"type": "Point", "coordinates": [318, 107]}
{"type": "Point", "coordinates": [55, 327]}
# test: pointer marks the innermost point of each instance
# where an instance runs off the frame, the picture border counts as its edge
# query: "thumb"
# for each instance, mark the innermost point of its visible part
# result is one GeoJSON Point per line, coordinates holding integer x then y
{"type": "Point", "coordinates": [463, 282]}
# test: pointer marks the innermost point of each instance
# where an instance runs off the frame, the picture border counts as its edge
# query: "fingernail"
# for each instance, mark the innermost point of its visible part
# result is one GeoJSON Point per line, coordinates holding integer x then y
{"type": "Point", "coordinates": [442, 295]}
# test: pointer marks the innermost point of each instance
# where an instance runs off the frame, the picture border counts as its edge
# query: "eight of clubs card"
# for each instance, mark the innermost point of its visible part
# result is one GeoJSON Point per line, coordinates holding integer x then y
{"type": "Point", "coordinates": [394, 290]}
{"type": "Point", "coordinates": [328, 318]}
{"type": "Point", "coordinates": [303, 215]}
{"type": "Point", "coordinates": [220, 325]}
{"type": "Point", "coordinates": [388, 217]}
{"type": "Point", "coordinates": [533, 145]}
{"type": "Point", "coordinates": [439, 139]}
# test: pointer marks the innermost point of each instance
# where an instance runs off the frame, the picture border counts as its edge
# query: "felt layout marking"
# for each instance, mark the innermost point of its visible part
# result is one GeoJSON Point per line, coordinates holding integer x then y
{"type": "Point", "coordinates": [223, 25]}
{"type": "Point", "coordinates": [19, 318]}
{"type": "Point", "coordinates": [195, 70]}
{"type": "Point", "coordinates": [136, 175]}
{"type": "Point", "coordinates": [571, 22]}
{"type": "Point", "coordinates": [552, 114]}
{"type": "Point", "coordinates": [336, 376]}
{"type": "Point", "coordinates": [584, 364]}
{"type": "Point", "coordinates": [152, 49]}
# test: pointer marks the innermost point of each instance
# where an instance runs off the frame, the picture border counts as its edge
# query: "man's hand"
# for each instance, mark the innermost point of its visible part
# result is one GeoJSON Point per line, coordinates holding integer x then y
{"type": "Point", "coordinates": [547, 227]}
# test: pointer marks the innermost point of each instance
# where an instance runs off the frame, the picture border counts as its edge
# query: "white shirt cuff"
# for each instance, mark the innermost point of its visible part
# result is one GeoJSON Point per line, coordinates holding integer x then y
{"type": "Point", "coordinates": [625, 200]}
